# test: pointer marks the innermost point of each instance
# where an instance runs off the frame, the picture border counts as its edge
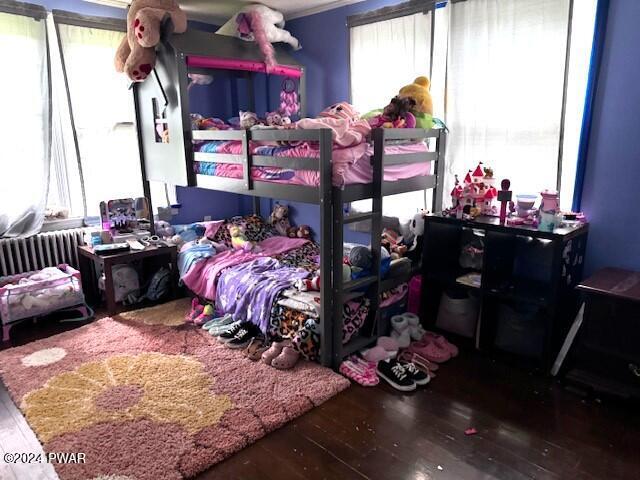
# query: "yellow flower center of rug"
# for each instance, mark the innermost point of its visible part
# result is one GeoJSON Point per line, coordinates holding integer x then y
{"type": "Point", "coordinates": [162, 388]}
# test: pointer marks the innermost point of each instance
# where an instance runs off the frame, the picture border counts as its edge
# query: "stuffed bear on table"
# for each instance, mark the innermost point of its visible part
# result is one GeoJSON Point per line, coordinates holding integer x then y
{"type": "Point", "coordinates": [136, 55]}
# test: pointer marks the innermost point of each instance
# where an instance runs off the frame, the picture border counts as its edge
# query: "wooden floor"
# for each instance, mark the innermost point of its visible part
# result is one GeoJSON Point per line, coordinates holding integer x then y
{"type": "Point", "coordinates": [528, 427]}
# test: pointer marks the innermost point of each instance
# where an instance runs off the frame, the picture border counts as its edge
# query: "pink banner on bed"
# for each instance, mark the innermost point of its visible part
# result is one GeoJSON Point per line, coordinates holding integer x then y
{"type": "Point", "coordinates": [244, 65]}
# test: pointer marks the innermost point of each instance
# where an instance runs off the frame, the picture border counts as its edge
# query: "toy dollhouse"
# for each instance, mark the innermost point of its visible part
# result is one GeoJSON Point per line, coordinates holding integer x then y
{"type": "Point", "coordinates": [476, 195]}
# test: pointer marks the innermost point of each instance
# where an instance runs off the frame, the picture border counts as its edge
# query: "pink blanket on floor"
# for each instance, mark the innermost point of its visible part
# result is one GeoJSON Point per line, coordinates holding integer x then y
{"type": "Point", "coordinates": [202, 278]}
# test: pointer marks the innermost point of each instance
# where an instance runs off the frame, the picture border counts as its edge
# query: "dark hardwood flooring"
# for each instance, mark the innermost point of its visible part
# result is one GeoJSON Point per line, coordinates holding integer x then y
{"type": "Point", "coordinates": [528, 426]}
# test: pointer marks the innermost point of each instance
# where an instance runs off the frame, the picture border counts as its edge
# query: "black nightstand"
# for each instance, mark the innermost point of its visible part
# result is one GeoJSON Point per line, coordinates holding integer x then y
{"type": "Point", "coordinates": [152, 257]}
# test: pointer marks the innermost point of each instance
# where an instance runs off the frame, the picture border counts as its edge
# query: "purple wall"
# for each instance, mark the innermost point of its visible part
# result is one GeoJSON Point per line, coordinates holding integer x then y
{"type": "Point", "coordinates": [611, 194]}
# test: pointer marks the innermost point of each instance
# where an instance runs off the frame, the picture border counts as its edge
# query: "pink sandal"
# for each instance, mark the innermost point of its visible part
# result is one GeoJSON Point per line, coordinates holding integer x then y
{"type": "Point", "coordinates": [442, 343]}
{"type": "Point", "coordinates": [287, 359]}
{"type": "Point", "coordinates": [360, 371]}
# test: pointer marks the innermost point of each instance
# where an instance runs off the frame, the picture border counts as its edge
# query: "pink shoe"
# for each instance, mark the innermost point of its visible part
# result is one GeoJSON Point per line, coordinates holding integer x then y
{"type": "Point", "coordinates": [273, 351]}
{"type": "Point", "coordinates": [430, 350]}
{"type": "Point", "coordinates": [360, 371]}
{"type": "Point", "coordinates": [206, 315]}
{"type": "Point", "coordinates": [442, 343]}
{"type": "Point", "coordinates": [196, 310]}
{"type": "Point", "coordinates": [287, 359]}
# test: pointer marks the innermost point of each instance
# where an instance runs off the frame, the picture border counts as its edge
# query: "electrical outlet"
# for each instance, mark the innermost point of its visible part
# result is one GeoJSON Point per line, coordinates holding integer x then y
{"type": "Point", "coordinates": [207, 218]}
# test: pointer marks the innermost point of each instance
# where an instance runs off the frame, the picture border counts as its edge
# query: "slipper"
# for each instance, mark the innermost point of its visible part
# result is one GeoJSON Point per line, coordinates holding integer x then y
{"type": "Point", "coordinates": [359, 373]}
{"type": "Point", "coordinates": [218, 321]}
{"type": "Point", "coordinates": [441, 342]}
{"type": "Point", "coordinates": [430, 350]}
{"type": "Point", "coordinates": [388, 343]}
{"type": "Point", "coordinates": [375, 354]}
{"type": "Point", "coordinates": [287, 359]}
{"type": "Point", "coordinates": [400, 330]}
{"type": "Point", "coordinates": [255, 349]}
{"type": "Point", "coordinates": [416, 330]}
{"type": "Point", "coordinates": [273, 351]}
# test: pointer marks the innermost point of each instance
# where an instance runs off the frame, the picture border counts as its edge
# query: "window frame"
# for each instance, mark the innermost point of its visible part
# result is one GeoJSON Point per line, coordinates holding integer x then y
{"type": "Point", "coordinates": [417, 6]}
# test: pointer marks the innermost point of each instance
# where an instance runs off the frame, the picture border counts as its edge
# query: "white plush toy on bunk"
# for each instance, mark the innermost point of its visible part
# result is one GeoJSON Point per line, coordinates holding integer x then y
{"type": "Point", "coordinates": [260, 24]}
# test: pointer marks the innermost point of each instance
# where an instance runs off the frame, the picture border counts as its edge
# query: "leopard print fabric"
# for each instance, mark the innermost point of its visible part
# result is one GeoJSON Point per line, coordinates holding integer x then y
{"type": "Point", "coordinates": [304, 331]}
{"type": "Point", "coordinates": [256, 229]}
{"type": "Point", "coordinates": [306, 256]}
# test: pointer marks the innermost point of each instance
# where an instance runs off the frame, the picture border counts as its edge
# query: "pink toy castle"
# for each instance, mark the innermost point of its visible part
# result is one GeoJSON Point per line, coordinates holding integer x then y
{"type": "Point", "coordinates": [476, 195]}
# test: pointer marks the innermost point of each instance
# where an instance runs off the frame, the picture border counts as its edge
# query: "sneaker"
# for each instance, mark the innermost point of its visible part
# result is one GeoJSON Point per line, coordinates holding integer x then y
{"type": "Point", "coordinates": [218, 322]}
{"type": "Point", "coordinates": [220, 329]}
{"type": "Point", "coordinates": [231, 333]}
{"type": "Point", "coordinates": [417, 375]}
{"type": "Point", "coordinates": [243, 336]}
{"type": "Point", "coordinates": [392, 372]}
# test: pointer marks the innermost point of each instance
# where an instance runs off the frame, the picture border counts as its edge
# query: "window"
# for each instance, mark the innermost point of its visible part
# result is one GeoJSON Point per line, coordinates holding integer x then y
{"type": "Point", "coordinates": [106, 163]}
{"type": "Point", "coordinates": [502, 80]}
{"type": "Point", "coordinates": [384, 56]}
{"type": "Point", "coordinates": [24, 122]}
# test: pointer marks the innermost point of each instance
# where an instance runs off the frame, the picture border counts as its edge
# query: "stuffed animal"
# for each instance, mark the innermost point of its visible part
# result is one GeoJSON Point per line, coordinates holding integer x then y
{"type": "Point", "coordinates": [392, 242]}
{"type": "Point", "coordinates": [239, 241]}
{"type": "Point", "coordinates": [279, 219]}
{"type": "Point", "coordinates": [417, 228]}
{"type": "Point", "coordinates": [292, 232]}
{"type": "Point", "coordinates": [263, 25]}
{"type": "Point", "coordinates": [275, 119]}
{"type": "Point", "coordinates": [418, 91]}
{"type": "Point", "coordinates": [136, 55]}
{"type": "Point", "coordinates": [248, 119]}
{"type": "Point", "coordinates": [303, 231]}
{"type": "Point", "coordinates": [164, 229]}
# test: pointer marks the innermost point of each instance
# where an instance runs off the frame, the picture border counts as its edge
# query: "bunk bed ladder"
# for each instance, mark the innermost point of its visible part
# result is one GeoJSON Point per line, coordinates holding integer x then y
{"type": "Point", "coordinates": [345, 291]}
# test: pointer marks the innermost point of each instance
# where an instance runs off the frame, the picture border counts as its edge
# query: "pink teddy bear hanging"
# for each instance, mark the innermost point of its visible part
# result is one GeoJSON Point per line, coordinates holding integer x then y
{"type": "Point", "coordinates": [136, 55]}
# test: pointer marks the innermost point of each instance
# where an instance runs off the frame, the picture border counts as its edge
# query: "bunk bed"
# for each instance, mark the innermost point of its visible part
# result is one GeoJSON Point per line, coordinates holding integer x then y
{"type": "Point", "coordinates": [163, 98]}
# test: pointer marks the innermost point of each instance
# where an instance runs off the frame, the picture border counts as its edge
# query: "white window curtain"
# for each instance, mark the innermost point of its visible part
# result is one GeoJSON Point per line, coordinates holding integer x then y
{"type": "Point", "coordinates": [505, 78]}
{"type": "Point", "coordinates": [385, 56]}
{"type": "Point", "coordinates": [24, 123]}
{"type": "Point", "coordinates": [104, 118]}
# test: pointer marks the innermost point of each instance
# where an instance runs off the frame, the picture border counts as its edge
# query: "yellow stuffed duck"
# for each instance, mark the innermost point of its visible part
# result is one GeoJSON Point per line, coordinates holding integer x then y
{"type": "Point", "coordinates": [418, 91]}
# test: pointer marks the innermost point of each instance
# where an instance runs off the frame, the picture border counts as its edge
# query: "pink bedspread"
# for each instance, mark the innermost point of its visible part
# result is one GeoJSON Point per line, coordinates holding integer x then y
{"type": "Point", "coordinates": [350, 165]}
{"type": "Point", "coordinates": [202, 278]}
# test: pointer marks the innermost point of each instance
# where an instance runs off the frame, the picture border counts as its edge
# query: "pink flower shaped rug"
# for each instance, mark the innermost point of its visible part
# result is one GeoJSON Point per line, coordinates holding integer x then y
{"type": "Point", "coordinates": [145, 397]}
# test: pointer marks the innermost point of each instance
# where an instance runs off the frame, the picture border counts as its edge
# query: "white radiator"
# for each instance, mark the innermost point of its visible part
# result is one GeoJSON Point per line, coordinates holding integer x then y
{"type": "Point", "coordinates": [43, 250]}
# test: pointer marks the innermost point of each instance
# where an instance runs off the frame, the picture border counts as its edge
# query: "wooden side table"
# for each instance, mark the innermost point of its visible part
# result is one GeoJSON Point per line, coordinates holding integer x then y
{"type": "Point", "coordinates": [88, 260]}
{"type": "Point", "coordinates": [601, 349]}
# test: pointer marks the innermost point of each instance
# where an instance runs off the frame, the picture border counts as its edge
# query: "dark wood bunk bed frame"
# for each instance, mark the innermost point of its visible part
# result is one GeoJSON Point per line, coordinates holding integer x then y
{"type": "Point", "coordinates": [163, 98]}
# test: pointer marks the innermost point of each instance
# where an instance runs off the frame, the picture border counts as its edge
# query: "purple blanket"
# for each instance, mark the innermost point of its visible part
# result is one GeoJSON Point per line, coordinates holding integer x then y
{"type": "Point", "coordinates": [248, 291]}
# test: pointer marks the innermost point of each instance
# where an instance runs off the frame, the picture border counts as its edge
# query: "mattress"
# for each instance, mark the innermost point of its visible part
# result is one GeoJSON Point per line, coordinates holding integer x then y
{"type": "Point", "coordinates": [350, 165]}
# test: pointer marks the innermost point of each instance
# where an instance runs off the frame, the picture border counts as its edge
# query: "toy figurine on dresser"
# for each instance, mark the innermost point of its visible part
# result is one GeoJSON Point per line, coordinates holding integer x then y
{"type": "Point", "coordinates": [476, 196]}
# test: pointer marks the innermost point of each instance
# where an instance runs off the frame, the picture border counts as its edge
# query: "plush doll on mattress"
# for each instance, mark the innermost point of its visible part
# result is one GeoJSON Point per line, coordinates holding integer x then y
{"type": "Point", "coordinates": [347, 127]}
